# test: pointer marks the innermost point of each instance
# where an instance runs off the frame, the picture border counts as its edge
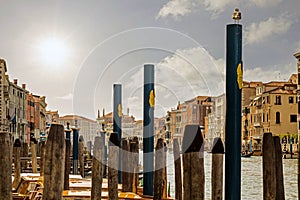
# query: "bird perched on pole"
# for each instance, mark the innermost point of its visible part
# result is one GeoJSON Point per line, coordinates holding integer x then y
{"type": "Point", "coordinates": [236, 15]}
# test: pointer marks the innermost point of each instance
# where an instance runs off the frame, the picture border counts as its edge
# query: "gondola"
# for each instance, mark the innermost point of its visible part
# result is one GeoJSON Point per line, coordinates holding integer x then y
{"type": "Point", "coordinates": [246, 155]}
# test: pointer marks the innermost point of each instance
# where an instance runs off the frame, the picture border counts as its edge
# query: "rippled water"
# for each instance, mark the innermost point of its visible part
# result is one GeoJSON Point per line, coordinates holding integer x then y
{"type": "Point", "coordinates": [252, 181]}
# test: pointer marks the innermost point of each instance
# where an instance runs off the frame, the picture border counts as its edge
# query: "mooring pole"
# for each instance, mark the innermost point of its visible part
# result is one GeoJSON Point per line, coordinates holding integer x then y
{"type": "Point", "coordinates": [148, 130]}
{"type": "Point", "coordinates": [117, 119]}
{"type": "Point", "coordinates": [67, 158]}
{"type": "Point", "coordinates": [75, 150]}
{"type": "Point", "coordinates": [234, 84]}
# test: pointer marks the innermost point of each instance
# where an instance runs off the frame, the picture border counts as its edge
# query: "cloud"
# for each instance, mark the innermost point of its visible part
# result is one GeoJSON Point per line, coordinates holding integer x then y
{"type": "Point", "coordinates": [68, 96]}
{"type": "Point", "coordinates": [178, 77]}
{"type": "Point", "coordinates": [258, 32]}
{"type": "Point", "coordinates": [216, 6]}
{"type": "Point", "coordinates": [265, 3]}
{"type": "Point", "coordinates": [269, 74]}
{"type": "Point", "coordinates": [180, 8]}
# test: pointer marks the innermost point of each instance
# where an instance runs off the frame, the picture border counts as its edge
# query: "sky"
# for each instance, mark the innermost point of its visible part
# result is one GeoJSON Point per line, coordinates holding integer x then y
{"type": "Point", "coordinates": [73, 52]}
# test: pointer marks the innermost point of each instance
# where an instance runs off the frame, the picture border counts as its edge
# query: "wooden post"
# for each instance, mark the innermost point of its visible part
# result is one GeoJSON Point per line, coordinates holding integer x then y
{"type": "Point", "coordinates": [159, 168]}
{"type": "Point", "coordinates": [81, 155]}
{"type": "Point", "coordinates": [217, 170]}
{"type": "Point", "coordinates": [279, 169]}
{"type": "Point", "coordinates": [113, 159]}
{"type": "Point", "coordinates": [97, 172]}
{"type": "Point", "coordinates": [126, 187]}
{"type": "Point", "coordinates": [134, 148]}
{"type": "Point", "coordinates": [269, 169]}
{"type": "Point", "coordinates": [54, 163]}
{"type": "Point", "coordinates": [164, 176]}
{"type": "Point", "coordinates": [17, 163]}
{"type": "Point", "coordinates": [5, 166]}
{"type": "Point", "coordinates": [33, 157]}
{"type": "Point", "coordinates": [25, 150]}
{"type": "Point", "coordinates": [177, 165]}
{"type": "Point", "coordinates": [42, 158]}
{"type": "Point", "coordinates": [67, 159]}
{"type": "Point", "coordinates": [193, 163]}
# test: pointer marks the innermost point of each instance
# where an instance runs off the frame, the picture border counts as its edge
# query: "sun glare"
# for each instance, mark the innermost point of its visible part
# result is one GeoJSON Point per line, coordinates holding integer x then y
{"type": "Point", "coordinates": [53, 51]}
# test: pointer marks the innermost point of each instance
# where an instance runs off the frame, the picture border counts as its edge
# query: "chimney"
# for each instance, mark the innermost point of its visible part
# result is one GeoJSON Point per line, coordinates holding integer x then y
{"type": "Point", "coordinates": [16, 81]}
{"type": "Point", "coordinates": [24, 86]}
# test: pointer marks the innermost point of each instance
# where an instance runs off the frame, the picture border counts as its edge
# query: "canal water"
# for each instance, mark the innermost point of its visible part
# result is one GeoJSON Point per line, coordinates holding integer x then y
{"type": "Point", "coordinates": [252, 180]}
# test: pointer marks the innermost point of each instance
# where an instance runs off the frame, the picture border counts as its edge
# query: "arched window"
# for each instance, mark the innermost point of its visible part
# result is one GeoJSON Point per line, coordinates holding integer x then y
{"type": "Point", "coordinates": [277, 117]}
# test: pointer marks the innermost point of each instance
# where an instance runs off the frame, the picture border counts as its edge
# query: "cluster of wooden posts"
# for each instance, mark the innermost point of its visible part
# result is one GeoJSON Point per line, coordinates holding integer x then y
{"type": "Point", "coordinates": [192, 185]}
{"type": "Point", "coordinates": [55, 166]}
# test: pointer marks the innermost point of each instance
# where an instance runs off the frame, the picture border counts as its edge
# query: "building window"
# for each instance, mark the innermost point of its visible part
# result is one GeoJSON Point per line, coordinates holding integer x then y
{"type": "Point", "coordinates": [277, 117]}
{"type": "Point", "coordinates": [291, 99]}
{"type": "Point", "coordinates": [278, 100]}
{"type": "Point", "coordinates": [267, 117]}
{"type": "Point", "coordinates": [293, 118]}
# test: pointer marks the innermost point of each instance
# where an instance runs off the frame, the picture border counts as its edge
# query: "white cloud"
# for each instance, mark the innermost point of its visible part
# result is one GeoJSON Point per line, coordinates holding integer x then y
{"type": "Point", "coordinates": [179, 77]}
{"type": "Point", "coordinates": [179, 8]}
{"type": "Point", "coordinates": [269, 74]}
{"type": "Point", "coordinates": [216, 6]}
{"type": "Point", "coordinates": [68, 96]}
{"type": "Point", "coordinates": [257, 32]}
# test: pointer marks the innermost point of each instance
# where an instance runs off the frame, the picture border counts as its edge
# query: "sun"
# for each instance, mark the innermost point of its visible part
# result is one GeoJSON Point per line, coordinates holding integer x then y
{"type": "Point", "coordinates": [53, 51]}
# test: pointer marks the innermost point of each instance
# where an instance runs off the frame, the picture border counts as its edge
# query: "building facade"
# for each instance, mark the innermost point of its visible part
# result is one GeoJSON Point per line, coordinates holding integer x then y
{"type": "Point", "coordinates": [273, 109]}
{"type": "Point", "coordinates": [193, 111]}
{"type": "Point", "coordinates": [88, 128]}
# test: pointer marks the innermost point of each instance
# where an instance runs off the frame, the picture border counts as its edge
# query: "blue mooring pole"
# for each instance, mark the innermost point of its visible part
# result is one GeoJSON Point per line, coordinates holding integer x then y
{"type": "Point", "coordinates": [75, 150]}
{"type": "Point", "coordinates": [148, 130]}
{"type": "Point", "coordinates": [234, 84]}
{"type": "Point", "coordinates": [117, 119]}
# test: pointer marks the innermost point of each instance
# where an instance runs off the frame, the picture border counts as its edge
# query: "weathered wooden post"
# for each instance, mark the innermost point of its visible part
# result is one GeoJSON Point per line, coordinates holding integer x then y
{"type": "Point", "coordinates": [269, 169]}
{"type": "Point", "coordinates": [54, 163]}
{"type": "Point", "coordinates": [117, 122]}
{"type": "Point", "coordinates": [164, 176]}
{"type": "Point", "coordinates": [24, 153]}
{"type": "Point", "coordinates": [67, 157]}
{"type": "Point", "coordinates": [81, 155]}
{"type": "Point", "coordinates": [42, 157]}
{"type": "Point", "coordinates": [75, 149]}
{"type": "Point", "coordinates": [193, 163]}
{"type": "Point", "coordinates": [17, 163]}
{"type": "Point", "coordinates": [97, 172]}
{"type": "Point", "coordinates": [159, 168]}
{"type": "Point", "coordinates": [113, 158]}
{"type": "Point", "coordinates": [5, 166]}
{"type": "Point", "coordinates": [126, 187]}
{"type": "Point", "coordinates": [234, 84]}
{"type": "Point", "coordinates": [33, 156]}
{"type": "Point", "coordinates": [134, 148]}
{"type": "Point", "coordinates": [103, 135]}
{"type": "Point", "coordinates": [279, 169]}
{"type": "Point", "coordinates": [177, 165]}
{"type": "Point", "coordinates": [148, 130]}
{"type": "Point", "coordinates": [217, 170]}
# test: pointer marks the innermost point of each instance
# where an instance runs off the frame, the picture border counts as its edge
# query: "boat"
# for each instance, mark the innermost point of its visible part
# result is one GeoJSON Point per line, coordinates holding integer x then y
{"type": "Point", "coordinates": [246, 155]}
